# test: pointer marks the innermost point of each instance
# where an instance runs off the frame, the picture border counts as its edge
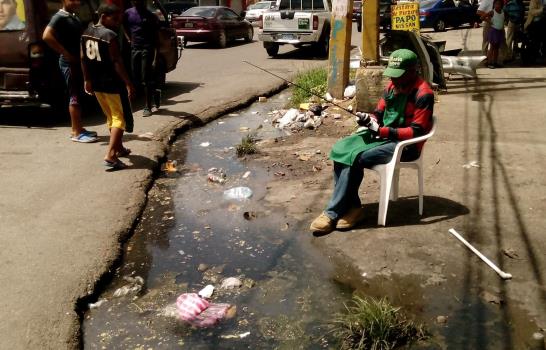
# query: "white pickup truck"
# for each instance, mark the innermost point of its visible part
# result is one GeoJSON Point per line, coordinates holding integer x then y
{"type": "Point", "coordinates": [296, 22]}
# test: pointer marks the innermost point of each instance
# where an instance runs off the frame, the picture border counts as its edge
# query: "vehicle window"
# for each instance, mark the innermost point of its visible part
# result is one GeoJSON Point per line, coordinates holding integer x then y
{"type": "Point", "coordinates": [86, 13]}
{"type": "Point", "coordinates": [261, 5]}
{"type": "Point", "coordinates": [306, 4]}
{"type": "Point", "coordinates": [295, 4]}
{"type": "Point", "coordinates": [200, 11]}
{"type": "Point", "coordinates": [284, 5]}
{"type": "Point", "coordinates": [448, 3]}
{"type": "Point", "coordinates": [13, 15]}
{"type": "Point", "coordinates": [318, 5]}
{"type": "Point", "coordinates": [427, 3]}
{"type": "Point", "coordinates": [228, 14]}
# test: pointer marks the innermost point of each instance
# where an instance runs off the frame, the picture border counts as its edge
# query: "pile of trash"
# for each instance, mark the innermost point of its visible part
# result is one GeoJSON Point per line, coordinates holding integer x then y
{"type": "Point", "coordinates": [308, 116]}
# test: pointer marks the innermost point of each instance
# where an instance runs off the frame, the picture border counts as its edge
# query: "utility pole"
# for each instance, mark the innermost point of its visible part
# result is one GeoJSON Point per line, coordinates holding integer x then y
{"type": "Point", "coordinates": [370, 31]}
{"type": "Point", "coordinates": [340, 47]}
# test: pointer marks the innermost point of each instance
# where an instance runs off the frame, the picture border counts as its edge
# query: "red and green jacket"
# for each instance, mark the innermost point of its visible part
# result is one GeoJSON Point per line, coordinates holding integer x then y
{"type": "Point", "coordinates": [418, 113]}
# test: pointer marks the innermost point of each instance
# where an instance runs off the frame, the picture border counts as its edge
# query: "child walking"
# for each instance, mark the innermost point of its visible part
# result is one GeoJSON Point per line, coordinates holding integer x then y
{"type": "Point", "coordinates": [496, 33]}
{"type": "Point", "coordinates": [106, 77]}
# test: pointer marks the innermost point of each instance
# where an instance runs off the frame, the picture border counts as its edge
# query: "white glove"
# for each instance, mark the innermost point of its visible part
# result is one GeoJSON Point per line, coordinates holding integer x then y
{"type": "Point", "coordinates": [363, 119]}
{"type": "Point", "coordinates": [373, 125]}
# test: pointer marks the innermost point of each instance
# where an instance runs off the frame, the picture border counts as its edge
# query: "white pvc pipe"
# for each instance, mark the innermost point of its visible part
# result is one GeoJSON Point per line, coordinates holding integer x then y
{"type": "Point", "coordinates": [501, 273]}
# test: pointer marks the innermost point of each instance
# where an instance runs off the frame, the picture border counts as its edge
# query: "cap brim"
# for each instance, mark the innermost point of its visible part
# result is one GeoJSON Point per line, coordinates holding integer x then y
{"type": "Point", "coordinates": [394, 72]}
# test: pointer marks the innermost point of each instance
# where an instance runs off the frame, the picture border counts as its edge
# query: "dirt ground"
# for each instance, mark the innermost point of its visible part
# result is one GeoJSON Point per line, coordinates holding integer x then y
{"type": "Point", "coordinates": [482, 177]}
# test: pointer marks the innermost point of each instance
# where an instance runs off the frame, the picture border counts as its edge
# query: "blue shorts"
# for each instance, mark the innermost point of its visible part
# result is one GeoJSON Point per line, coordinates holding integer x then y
{"type": "Point", "coordinates": [73, 78]}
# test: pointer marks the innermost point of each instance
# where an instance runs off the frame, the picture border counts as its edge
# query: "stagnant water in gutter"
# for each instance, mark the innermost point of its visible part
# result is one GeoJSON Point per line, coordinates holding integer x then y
{"type": "Point", "coordinates": [190, 236]}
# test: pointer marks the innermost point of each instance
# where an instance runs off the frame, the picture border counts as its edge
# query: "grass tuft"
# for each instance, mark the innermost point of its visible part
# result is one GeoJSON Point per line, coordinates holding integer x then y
{"type": "Point", "coordinates": [374, 324]}
{"type": "Point", "coordinates": [314, 80]}
{"type": "Point", "coordinates": [247, 146]}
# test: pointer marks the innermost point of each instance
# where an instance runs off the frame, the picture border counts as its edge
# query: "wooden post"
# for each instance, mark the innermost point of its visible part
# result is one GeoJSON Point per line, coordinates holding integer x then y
{"type": "Point", "coordinates": [370, 30]}
{"type": "Point", "coordinates": [340, 47]}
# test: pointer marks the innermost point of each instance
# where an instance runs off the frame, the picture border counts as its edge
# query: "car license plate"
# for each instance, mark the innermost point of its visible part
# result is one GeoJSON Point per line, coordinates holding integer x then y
{"type": "Point", "coordinates": [188, 25]}
{"type": "Point", "coordinates": [287, 36]}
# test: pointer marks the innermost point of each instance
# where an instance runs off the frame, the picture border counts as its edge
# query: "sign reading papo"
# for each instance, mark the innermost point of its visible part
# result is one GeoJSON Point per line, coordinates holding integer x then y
{"type": "Point", "coordinates": [405, 16]}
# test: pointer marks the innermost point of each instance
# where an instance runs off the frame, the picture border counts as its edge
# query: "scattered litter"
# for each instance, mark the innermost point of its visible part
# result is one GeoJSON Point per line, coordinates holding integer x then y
{"type": "Point", "coordinates": [198, 312]}
{"type": "Point", "coordinates": [202, 267]}
{"type": "Point", "coordinates": [216, 178]}
{"type": "Point", "coordinates": [255, 112]}
{"type": "Point", "coordinates": [285, 227]}
{"type": "Point", "coordinates": [181, 252]}
{"type": "Point", "coordinates": [287, 118]}
{"type": "Point", "coordinates": [336, 116]}
{"type": "Point", "coordinates": [441, 319]}
{"type": "Point", "coordinates": [220, 123]}
{"type": "Point", "coordinates": [147, 135]}
{"type": "Point", "coordinates": [262, 99]}
{"type": "Point", "coordinates": [350, 91]}
{"type": "Point", "coordinates": [233, 114]}
{"type": "Point", "coordinates": [279, 173]}
{"type": "Point", "coordinates": [316, 109]}
{"type": "Point", "coordinates": [134, 286]}
{"type": "Point", "coordinates": [305, 106]}
{"type": "Point", "coordinates": [364, 274]}
{"type": "Point", "coordinates": [235, 336]}
{"type": "Point", "coordinates": [170, 166]}
{"type": "Point", "coordinates": [246, 174]}
{"type": "Point", "coordinates": [238, 193]}
{"type": "Point", "coordinates": [204, 144]}
{"type": "Point", "coordinates": [216, 175]}
{"type": "Point", "coordinates": [304, 157]}
{"type": "Point", "coordinates": [491, 298]}
{"type": "Point", "coordinates": [207, 291]}
{"type": "Point", "coordinates": [231, 283]}
{"type": "Point", "coordinates": [328, 97]}
{"type": "Point", "coordinates": [97, 304]}
{"type": "Point", "coordinates": [249, 215]}
{"type": "Point", "coordinates": [511, 253]}
{"type": "Point", "coordinates": [472, 164]}
{"type": "Point", "coordinates": [244, 129]}
{"type": "Point", "coordinates": [318, 151]}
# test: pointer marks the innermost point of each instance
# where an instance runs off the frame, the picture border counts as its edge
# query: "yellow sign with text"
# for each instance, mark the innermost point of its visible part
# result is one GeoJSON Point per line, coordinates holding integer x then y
{"type": "Point", "coordinates": [405, 16]}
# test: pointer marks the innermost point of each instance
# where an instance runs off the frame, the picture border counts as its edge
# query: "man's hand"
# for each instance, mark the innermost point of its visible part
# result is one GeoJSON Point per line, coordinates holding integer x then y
{"type": "Point", "coordinates": [363, 119]}
{"type": "Point", "coordinates": [88, 87]}
{"type": "Point", "coordinates": [130, 91]}
{"type": "Point", "coordinates": [373, 125]}
{"type": "Point", "coordinates": [367, 120]}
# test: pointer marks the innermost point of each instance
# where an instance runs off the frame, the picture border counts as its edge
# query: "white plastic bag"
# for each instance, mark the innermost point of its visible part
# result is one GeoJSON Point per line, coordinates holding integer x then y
{"type": "Point", "coordinates": [238, 193]}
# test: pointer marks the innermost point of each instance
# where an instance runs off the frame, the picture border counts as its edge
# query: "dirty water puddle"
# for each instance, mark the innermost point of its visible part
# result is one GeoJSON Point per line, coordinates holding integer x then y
{"type": "Point", "coordinates": [192, 235]}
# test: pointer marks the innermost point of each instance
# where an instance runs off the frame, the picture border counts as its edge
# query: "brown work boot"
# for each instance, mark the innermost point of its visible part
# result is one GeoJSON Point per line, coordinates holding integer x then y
{"type": "Point", "coordinates": [322, 224]}
{"type": "Point", "coordinates": [351, 218]}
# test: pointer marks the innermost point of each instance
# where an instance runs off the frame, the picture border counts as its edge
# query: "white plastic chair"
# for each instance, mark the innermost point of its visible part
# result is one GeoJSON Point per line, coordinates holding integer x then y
{"type": "Point", "coordinates": [390, 173]}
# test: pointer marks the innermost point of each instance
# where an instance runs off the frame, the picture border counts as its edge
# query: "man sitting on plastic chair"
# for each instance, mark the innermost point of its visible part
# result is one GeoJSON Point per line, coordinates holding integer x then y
{"type": "Point", "coordinates": [404, 112]}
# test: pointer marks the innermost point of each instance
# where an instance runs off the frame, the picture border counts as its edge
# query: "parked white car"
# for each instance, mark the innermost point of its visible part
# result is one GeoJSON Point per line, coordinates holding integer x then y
{"type": "Point", "coordinates": [255, 10]}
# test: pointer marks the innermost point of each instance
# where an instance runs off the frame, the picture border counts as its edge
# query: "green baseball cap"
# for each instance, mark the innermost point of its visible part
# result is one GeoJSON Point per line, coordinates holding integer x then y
{"type": "Point", "coordinates": [399, 61]}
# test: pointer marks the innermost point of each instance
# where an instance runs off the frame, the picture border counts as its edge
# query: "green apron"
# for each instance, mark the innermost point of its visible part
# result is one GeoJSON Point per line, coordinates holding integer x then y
{"type": "Point", "coordinates": [348, 148]}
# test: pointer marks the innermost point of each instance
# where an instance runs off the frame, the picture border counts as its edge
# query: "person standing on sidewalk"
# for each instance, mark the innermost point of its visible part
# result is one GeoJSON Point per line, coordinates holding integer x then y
{"type": "Point", "coordinates": [404, 112]}
{"type": "Point", "coordinates": [484, 9]}
{"type": "Point", "coordinates": [496, 33]}
{"type": "Point", "coordinates": [514, 11]}
{"type": "Point", "coordinates": [141, 29]}
{"type": "Point", "coordinates": [63, 34]}
{"type": "Point", "coordinates": [106, 78]}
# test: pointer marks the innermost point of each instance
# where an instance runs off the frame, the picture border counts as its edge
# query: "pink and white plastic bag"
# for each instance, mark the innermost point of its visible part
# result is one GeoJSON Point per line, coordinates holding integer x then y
{"type": "Point", "coordinates": [199, 312]}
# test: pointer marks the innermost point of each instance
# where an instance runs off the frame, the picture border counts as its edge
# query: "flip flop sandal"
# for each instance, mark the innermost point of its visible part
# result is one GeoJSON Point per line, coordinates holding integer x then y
{"type": "Point", "coordinates": [124, 152]}
{"type": "Point", "coordinates": [115, 165]}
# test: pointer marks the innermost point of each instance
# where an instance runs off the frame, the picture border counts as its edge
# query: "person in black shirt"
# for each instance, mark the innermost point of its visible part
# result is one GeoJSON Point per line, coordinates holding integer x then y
{"type": "Point", "coordinates": [63, 34]}
{"type": "Point", "coordinates": [106, 78]}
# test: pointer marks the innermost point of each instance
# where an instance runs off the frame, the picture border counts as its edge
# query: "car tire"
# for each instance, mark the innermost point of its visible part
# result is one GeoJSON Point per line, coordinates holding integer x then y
{"type": "Point", "coordinates": [249, 35]}
{"type": "Point", "coordinates": [439, 25]}
{"type": "Point", "coordinates": [222, 39]}
{"type": "Point", "coordinates": [272, 49]}
{"type": "Point", "coordinates": [323, 46]}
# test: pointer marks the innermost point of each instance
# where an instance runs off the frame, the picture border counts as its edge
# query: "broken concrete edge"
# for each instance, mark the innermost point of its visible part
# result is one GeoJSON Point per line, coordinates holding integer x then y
{"type": "Point", "coordinates": [96, 281]}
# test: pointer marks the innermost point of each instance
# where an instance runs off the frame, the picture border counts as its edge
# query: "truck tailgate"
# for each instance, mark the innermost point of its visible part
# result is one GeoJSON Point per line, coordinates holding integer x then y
{"type": "Point", "coordinates": [287, 21]}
